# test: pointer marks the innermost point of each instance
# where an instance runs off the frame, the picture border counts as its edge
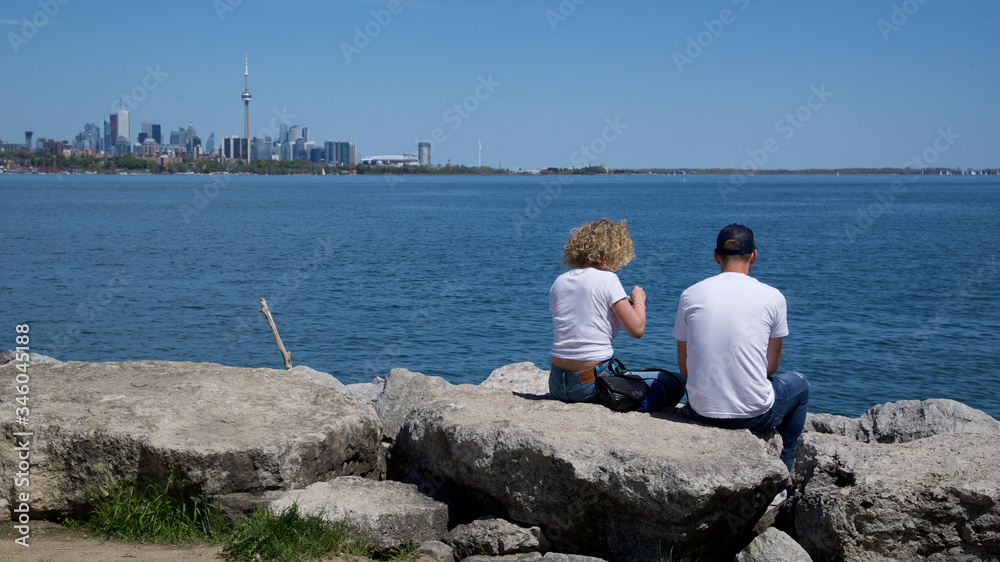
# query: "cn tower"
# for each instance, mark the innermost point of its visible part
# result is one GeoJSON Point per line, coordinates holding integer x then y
{"type": "Point", "coordinates": [246, 98]}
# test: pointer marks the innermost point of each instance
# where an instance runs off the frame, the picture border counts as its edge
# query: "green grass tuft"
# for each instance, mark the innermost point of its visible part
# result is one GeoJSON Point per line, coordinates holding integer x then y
{"type": "Point", "coordinates": [126, 511]}
{"type": "Point", "coordinates": [152, 514]}
{"type": "Point", "coordinates": [290, 537]}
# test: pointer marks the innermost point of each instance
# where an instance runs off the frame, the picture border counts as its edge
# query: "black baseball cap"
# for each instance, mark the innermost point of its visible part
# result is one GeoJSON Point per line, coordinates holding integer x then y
{"type": "Point", "coordinates": [735, 240]}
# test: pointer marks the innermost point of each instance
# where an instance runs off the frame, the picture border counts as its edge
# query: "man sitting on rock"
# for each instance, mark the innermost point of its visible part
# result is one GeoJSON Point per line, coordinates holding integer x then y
{"type": "Point", "coordinates": [729, 329]}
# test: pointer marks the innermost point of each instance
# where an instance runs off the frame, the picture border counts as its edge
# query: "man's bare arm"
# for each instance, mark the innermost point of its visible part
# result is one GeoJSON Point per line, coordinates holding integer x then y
{"type": "Point", "coordinates": [773, 355]}
{"type": "Point", "coordinates": [682, 357]}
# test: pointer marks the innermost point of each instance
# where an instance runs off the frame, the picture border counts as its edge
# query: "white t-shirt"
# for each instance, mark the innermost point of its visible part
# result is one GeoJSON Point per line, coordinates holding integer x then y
{"type": "Point", "coordinates": [726, 321]}
{"type": "Point", "coordinates": [583, 324]}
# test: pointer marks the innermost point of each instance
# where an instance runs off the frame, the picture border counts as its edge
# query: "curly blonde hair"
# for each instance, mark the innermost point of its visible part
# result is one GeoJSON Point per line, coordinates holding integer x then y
{"type": "Point", "coordinates": [603, 244]}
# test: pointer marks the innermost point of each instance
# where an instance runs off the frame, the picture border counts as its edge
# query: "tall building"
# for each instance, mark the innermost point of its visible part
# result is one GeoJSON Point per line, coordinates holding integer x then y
{"type": "Point", "coordinates": [294, 133]}
{"type": "Point", "coordinates": [27, 139]}
{"type": "Point", "coordinates": [283, 133]}
{"type": "Point", "coordinates": [210, 144]}
{"type": "Point", "coordinates": [424, 153]}
{"type": "Point", "coordinates": [152, 131]}
{"type": "Point", "coordinates": [111, 143]}
{"type": "Point", "coordinates": [189, 137]}
{"type": "Point", "coordinates": [123, 125]}
{"type": "Point", "coordinates": [246, 104]}
{"type": "Point", "coordinates": [305, 133]}
{"type": "Point", "coordinates": [107, 138]}
{"type": "Point", "coordinates": [235, 148]}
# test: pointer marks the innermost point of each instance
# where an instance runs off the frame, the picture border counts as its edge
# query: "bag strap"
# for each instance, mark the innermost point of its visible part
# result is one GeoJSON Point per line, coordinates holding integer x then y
{"type": "Point", "coordinates": [617, 367]}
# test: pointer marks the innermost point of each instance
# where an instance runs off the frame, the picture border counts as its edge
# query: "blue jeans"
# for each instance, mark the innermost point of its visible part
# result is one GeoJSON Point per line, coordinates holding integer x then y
{"type": "Point", "coordinates": [566, 385]}
{"type": "Point", "coordinates": [665, 395]}
{"type": "Point", "coordinates": [788, 414]}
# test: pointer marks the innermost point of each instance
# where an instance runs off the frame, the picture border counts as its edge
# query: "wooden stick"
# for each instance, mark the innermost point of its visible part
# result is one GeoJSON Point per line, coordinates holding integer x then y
{"type": "Point", "coordinates": [277, 339]}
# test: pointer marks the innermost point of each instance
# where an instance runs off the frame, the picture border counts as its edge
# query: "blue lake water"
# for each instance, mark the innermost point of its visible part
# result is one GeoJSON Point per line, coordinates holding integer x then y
{"type": "Point", "coordinates": [893, 289]}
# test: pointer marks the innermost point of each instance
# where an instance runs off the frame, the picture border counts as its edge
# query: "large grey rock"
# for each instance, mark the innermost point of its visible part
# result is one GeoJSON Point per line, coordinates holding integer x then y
{"type": "Point", "coordinates": [437, 550]}
{"type": "Point", "coordinates": [773, 546]}
{"type": "Point", "coordinates": [907, 420]}
{"type": "Point", "coordinates": [535, 557]}
{"type": "Point", "coordinates": [597, 482]}
{"type": "Point", "coordinates": [389, 513]}
{"type": "Point", "coordinates": [493, 536]}
{"type": "Point", "coordinates": [367, 392]}
{"type": "Point", "coordinates": [935, 498]}
{"type": "Point", "coordinates": [221, 430]}
{"type": "Point", "coordinates": [318, 377]}
{"type": "Point", "coordinates": [832, 424]}
{"type": "Point", "coordinates": [10, 355]}
{"type": "Point", "coordinates": [523, 378]}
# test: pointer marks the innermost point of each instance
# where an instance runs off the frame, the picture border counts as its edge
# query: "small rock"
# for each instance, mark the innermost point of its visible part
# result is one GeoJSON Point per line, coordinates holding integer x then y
{"type": "Point", "coordinates": [437, 550]}
{"type": "Point", "coordinates": [388, 513]}
{"type": "Point", "coordinates": [523, 378]}
{"type": "Point", "coordinates": [773, 546]}
{"type": "Point", "coordinates": [491, 536]}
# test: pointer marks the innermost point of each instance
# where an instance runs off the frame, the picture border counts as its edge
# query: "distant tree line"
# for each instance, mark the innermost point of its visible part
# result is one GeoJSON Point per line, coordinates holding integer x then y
{"type": "Point", "coordinates": [132, 164]}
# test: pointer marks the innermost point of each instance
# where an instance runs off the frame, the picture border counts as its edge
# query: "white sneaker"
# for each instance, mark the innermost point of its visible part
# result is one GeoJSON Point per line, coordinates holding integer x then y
{"type": "Point", "coordinates": [779, 499]}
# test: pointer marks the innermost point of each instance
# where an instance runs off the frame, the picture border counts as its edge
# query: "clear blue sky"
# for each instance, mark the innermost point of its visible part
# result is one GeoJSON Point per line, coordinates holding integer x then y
{"type": "Point", "coordinates": [560, 71]}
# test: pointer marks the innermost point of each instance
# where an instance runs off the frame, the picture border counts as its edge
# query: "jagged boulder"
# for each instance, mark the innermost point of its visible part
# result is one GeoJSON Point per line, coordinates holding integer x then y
{"type": "Point", "coordinates": [389, 514]}
{"type": "Point", "coordinates": [493, 536]}
{"type": "Point", "coordinates": [522, 378]}
{"type": "Point", "coordinates": [773, 546]}
{"type": "Point", "coordinates": [597, 482]}
{"type": "Point", "coordinates": [221, 430]}
{"type": "Point", "coordinates": [935, 498]}
{"type": "Point", "coordinates": [906, 420]}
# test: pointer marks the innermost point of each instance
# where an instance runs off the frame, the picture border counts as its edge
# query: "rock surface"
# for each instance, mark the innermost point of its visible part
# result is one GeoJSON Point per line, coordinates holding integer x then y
{"type": "Point", "coordinates": [522, 378]}
{"type": "Point", "coordinates": [597, 482]}
{"type": "Point", "coordinates": [935, 498]}
{"type": "Point", "coordinates": [437, 550]}
{"type": "Point", "coordinates": [906, 420]}
{"type": "Point", "coordinates": [773, 546]}
{"type": "Point", "coordinates": [33, 358]}
{"type": "Point", "coordinates": [318, 377]}
{"type": "Point", "coordinates": [389, 513]}
{"type": "Point", "coordinates": [493, 536]}
{"type": "Point", "coordinates": [222, 430]}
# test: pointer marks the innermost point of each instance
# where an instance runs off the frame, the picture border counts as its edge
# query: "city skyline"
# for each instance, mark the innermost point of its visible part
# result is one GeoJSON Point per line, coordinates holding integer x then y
{"type": "Point", "coordinates": [734, 84]}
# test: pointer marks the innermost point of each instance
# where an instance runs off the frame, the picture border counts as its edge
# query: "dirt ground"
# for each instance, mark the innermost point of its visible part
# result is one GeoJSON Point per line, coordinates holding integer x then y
{"type": "Point", "coordinates": [50, 542]}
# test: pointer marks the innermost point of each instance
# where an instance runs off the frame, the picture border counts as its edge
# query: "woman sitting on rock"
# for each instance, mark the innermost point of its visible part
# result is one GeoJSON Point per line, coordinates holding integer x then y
{"type": "Point", "coordinates": [588, 305]}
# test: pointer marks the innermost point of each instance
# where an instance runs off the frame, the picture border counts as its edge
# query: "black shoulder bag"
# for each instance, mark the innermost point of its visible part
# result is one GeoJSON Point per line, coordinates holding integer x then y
{"type": "Point", "coordinates": [619, 389]}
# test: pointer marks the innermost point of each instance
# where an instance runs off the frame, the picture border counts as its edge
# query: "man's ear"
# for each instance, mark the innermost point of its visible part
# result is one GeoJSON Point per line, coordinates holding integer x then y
{"type": "Point", "coordinates": [718, 259]}
{"type": "Point", "coordinates": [753, 256]}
